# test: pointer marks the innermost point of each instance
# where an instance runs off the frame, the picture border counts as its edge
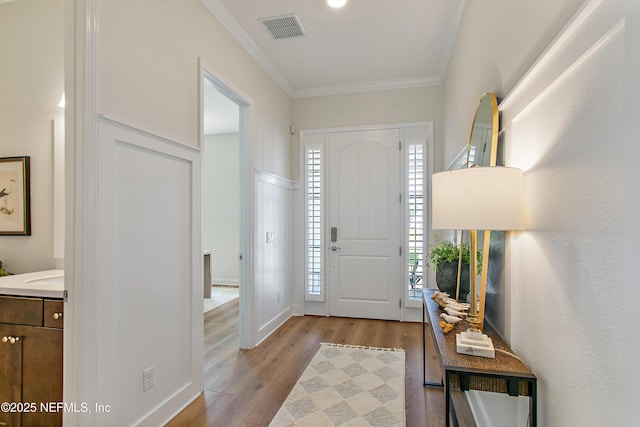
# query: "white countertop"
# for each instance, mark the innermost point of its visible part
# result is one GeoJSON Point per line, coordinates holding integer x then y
{"type": "Point", "coordinates": [46, 284]}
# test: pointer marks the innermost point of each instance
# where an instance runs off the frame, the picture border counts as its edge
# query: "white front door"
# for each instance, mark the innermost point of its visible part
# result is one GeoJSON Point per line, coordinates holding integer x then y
{"type": "Point", "coordinates": [365, 221]}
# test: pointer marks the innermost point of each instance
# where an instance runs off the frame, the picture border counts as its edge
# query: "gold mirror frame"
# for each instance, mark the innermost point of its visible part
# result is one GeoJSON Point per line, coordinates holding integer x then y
{"type": "Point", "coordinates": [485, 127]}
{"type": "Point", "coordinates": [483, 140]}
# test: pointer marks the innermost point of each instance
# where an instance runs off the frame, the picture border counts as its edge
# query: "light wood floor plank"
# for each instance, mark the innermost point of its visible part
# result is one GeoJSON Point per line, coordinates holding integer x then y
{"type": "Point", "coordinates": [247, 387]}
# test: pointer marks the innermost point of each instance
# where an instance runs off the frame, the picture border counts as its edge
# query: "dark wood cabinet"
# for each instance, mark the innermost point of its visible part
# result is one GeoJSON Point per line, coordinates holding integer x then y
{"type": "Point", "coordinates": [21, 310]}
{"type": "Point", "coordinates": [30, 361]}
{"type": "Point", "coordinates": [10, 380]}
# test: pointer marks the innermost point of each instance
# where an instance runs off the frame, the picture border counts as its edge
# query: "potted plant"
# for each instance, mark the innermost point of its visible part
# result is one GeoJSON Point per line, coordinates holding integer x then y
{"type": "Point", "coordinates": [443, 257]}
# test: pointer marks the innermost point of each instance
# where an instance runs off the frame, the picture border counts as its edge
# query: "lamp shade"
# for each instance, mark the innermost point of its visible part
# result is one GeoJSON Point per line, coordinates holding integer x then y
{"type": "Point", "coordinates": [478, 198]}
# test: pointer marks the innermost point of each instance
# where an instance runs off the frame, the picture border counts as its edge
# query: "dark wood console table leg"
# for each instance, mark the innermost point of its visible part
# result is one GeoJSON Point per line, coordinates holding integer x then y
{"type": "Point", "coordinates": [533, 404]}
{"type": "Point", "coordinates": [424, 353]}
{"type": "Point", "coordinates": [424, 346]}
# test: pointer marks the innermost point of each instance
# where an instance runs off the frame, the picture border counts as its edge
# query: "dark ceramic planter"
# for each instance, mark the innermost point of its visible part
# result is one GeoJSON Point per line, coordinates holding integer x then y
{"type": "Point", "coordinates": [446, 279]}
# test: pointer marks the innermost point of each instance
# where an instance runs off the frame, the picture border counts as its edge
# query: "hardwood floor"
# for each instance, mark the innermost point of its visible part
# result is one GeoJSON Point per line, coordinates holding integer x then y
{"type": "Point", "coordinates": [247, 387]}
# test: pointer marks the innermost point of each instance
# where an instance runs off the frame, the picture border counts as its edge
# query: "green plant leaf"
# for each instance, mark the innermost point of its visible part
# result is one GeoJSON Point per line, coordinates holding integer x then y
{"type": "Point", "coordinates": [446, 251]}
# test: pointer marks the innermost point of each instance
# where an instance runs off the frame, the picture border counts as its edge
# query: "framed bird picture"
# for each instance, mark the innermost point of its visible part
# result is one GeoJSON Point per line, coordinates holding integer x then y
{"type": "Point", "coordinates": [15, 215]}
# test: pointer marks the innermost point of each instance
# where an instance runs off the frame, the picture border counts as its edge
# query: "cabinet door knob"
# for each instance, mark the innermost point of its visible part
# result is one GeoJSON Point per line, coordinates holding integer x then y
{"type": "Point", "coordinates": [57, 316]}
{"type": "Point", "coordinates": [10, 339]}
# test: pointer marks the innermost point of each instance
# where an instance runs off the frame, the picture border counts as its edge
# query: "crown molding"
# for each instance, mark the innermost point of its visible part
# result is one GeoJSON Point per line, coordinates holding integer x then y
{"type": "Point", "coordinates": [371, 86]}
{"type": "Point", "coordinates": [228, 21]}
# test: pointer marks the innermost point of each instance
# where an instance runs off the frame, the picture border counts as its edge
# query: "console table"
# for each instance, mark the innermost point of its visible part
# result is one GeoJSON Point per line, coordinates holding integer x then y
{"type": "Point", "coordinates": [504, 374]}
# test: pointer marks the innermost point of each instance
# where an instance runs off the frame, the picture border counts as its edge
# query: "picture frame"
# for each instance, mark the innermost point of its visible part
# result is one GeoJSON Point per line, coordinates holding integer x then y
{"type": "Point", "coordinates": [15, 209]}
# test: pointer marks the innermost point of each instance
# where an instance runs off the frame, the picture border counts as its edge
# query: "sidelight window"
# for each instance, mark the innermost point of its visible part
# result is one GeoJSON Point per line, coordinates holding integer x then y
{"type": "Point", "coordinates": [415, 162]}
{"type": "Point", "coordinates": [314, 224]}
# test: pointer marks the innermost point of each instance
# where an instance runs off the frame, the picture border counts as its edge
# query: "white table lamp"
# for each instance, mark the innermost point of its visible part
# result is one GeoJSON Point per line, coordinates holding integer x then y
{"type": "Point", "coordinates": [477, 198]}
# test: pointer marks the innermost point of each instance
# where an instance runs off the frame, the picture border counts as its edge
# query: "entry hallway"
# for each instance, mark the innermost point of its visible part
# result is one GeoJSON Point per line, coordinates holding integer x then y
{"type": "Point", "coordinates": [247, 387]}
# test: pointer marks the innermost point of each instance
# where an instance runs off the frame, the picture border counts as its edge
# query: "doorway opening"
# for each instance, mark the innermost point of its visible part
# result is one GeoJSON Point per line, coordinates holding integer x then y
{"type": "Point", "coordinates": [226, 196]}
{"type": "Point", "coordinates": [220, 197]}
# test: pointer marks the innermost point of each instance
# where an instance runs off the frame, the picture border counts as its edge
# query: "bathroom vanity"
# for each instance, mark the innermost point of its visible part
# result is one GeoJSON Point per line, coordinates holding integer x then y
{"type": "Point", "coordinates": [31, 333]}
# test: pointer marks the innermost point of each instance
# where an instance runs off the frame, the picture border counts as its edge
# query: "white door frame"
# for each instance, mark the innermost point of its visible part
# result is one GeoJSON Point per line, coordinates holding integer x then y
{"type": "Point", "coordinates": [247, 329]}
{"type": "Point", "coordinates": [81, 135]}
{"type": "Point", "coordinates": [410, 310]}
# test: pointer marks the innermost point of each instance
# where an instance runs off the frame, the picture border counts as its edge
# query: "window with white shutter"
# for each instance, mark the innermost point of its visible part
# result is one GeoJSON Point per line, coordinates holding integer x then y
{"type": "Point", "coordinates": [314, 224]}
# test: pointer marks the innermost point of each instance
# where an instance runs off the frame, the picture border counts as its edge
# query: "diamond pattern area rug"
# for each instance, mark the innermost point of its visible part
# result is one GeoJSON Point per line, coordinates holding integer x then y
{"type": "Point", "coordinates": [347, 386]}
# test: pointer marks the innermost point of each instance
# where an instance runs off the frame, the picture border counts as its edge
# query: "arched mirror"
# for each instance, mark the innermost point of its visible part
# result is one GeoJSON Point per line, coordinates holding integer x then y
{"type": "Point", "coordinates": [482, 149]}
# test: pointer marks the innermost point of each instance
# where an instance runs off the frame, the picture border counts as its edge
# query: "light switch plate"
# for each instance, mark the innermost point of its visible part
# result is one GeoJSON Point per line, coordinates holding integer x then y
{"type": "Point", "coordinates": [147, 378]}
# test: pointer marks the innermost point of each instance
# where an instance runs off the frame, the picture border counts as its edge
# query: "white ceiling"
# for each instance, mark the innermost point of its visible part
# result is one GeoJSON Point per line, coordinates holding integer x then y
{"type": "Point", "coordinates": [367, 45]}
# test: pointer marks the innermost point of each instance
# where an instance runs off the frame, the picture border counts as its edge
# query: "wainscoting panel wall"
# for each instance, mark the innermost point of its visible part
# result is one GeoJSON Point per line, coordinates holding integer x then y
{"type": "Point", "coordinates": [149, 295]}
{"type": "Point", "coordinates": [272, 252]}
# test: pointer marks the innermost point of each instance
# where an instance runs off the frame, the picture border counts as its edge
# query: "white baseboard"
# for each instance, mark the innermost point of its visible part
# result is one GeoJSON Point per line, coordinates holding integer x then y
{"type": "Point", "coordinates": [296, 310]}
{"type": "Point", "coordinates": [225, 281]}
{"type": "Point", "coordinates": [268, 328]}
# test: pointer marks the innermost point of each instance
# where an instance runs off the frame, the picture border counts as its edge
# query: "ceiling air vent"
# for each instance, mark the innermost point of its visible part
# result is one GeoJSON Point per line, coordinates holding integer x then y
{"type": "Point", "coordinates": [283, 26]}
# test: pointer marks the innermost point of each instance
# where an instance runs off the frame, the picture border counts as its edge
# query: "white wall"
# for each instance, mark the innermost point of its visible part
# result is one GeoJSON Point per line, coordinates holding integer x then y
{"type": "Point", "coordinates": [163, 40]}
{"type": "Point", "coordinates": [149, 275]}
{"type": "Point", "coordinates": [418, 104]}
{"type": "Point", "coordinates": [273, 255]}
{"type": "Point", "coordinates": [147, 78]}
{"type": "Point", "coordinates": [564, 126]}
{"type": "Point", "coordinates": [31, 84]}
{"type": "Point", "coordinates": [631, 151]}
{"type": "Point", "coordinates": [221, 206]}
{"type": "Point", "coordinates": [497, 42]}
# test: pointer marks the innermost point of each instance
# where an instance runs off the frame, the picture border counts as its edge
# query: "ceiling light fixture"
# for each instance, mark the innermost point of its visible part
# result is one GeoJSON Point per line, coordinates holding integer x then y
{"type": "Point", "coordinates": [336, 4]}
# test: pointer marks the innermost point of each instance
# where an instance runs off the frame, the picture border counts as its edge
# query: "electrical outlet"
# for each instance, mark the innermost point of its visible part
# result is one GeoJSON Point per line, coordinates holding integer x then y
{"type": "Point", "coordinates": [147, 378]}
{"type": "Point", "coordinates": [269, 236]}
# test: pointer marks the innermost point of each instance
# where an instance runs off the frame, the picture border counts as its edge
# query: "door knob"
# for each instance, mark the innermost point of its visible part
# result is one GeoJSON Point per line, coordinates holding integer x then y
{"type": "Point", "coordinates": [334, 248]}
